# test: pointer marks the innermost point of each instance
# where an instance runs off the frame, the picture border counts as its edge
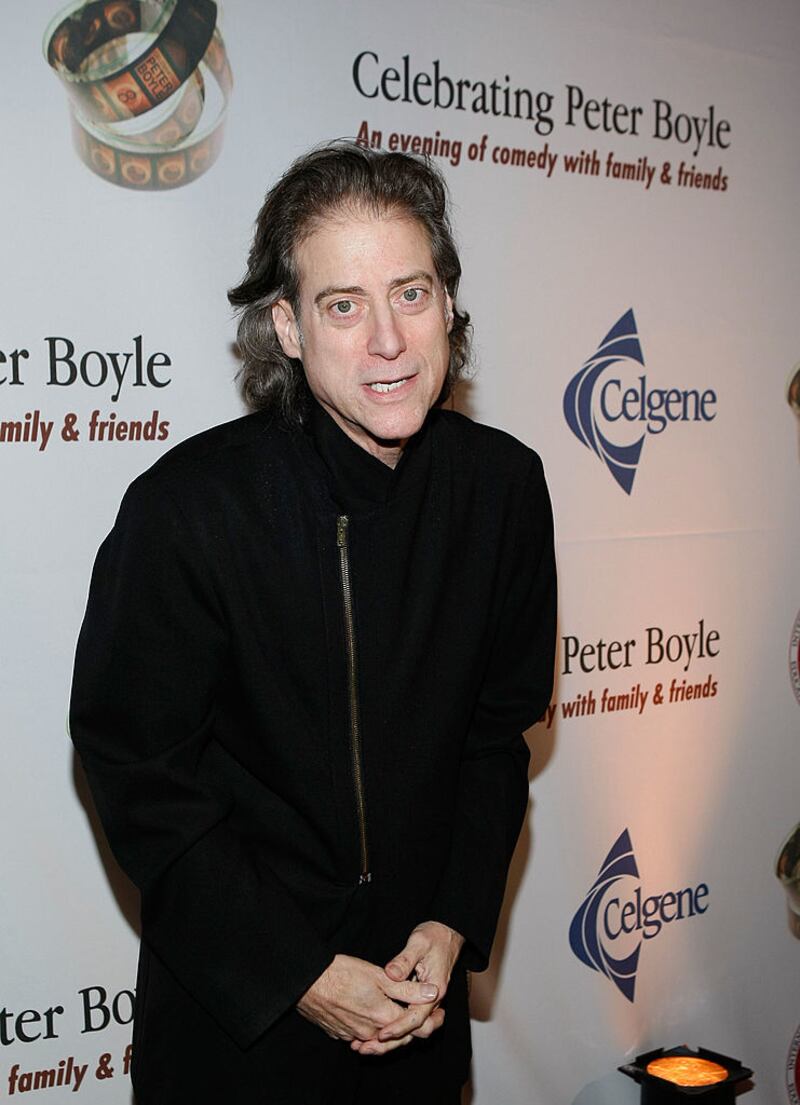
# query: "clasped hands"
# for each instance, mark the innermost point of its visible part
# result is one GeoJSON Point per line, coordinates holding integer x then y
{"type": "Point", "coordinates": [379, 1009]}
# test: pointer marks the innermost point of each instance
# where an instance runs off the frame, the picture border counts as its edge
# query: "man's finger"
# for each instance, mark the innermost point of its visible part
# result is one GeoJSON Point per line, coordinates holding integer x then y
{"type": "Point", "coordinates": [428, 1027]}
{"type": "Point", "coordinates": [379, 1047]}
{"type": "Point", "coordinates": [411, 993]}
{"type": "Point", "coordinates": [412, 1019]}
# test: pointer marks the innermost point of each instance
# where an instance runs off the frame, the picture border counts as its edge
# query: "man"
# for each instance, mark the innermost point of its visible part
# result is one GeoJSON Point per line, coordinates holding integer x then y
{"type": "Point", "coordinates": [313, 640]}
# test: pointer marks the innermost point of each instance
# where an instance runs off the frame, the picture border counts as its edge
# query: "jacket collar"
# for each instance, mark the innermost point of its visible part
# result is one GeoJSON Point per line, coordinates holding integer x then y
{"type": "Point", "coordinates": [358, 481]}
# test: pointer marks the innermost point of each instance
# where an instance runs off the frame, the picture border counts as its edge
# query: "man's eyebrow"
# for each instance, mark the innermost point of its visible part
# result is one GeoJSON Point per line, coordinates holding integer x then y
{"type": "Point", "coordinates": [413, 277]}
{"type": "Point", "coordinates": [356, 289]}
{"type": "Point", "coordinates": [334, 290]}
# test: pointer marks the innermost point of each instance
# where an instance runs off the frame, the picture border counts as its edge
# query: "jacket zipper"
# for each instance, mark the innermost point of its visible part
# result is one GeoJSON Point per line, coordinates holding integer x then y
{"type": "Point", "coordinates": [342, 523]}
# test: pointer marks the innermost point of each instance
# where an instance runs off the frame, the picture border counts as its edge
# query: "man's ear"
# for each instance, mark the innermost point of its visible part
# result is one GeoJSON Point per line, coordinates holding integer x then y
{"type": "Point", "coordinates": [287, 329]}
{"type": "Point", "coordinates": [448, 311]}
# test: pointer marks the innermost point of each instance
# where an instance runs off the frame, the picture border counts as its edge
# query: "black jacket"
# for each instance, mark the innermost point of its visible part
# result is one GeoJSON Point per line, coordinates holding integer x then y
{"type": "Point", "coordinates": [216, 692]}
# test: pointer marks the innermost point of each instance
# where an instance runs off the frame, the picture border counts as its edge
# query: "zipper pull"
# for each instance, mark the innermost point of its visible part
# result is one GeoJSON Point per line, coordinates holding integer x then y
{"type": "Point", "coordinates": [341, 531]}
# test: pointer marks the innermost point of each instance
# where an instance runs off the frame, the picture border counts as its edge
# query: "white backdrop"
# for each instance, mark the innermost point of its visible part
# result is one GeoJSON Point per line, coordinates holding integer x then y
{"type": "Point", "coordinates": [706, 788]}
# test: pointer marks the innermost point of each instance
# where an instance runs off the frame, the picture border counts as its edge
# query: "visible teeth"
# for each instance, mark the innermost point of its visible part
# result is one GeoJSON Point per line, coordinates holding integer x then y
{"type": "Point", "coordinates": [388, 387]}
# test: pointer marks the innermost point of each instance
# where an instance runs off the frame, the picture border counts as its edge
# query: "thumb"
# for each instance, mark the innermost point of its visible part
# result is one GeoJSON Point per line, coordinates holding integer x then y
{"type": "Point", "coordinates": [395, 971]}
{"type": "Point", "coordinates": [401, 966]}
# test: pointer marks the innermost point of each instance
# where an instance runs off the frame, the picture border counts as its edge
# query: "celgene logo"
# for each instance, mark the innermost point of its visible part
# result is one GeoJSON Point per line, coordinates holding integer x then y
{"type": "Point", "coordinates": [615, 918]}
{"type": "Point", "coordinates": [611, 408]}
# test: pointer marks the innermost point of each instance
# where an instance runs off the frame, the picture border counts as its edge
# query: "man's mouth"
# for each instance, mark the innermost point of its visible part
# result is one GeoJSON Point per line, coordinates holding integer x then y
{"type": "Point", "coordinates": [382, 387]}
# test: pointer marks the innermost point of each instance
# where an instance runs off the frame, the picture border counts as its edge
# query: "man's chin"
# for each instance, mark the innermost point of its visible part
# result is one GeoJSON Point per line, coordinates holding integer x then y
{"type": "Point", "coordinates": [395, 433]}
{"type": "Point", "coordinates": [384, 432]}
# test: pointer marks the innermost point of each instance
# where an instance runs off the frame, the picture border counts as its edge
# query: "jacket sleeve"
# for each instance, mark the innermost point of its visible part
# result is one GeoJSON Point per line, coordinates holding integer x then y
{"type": "Point", "coordinates": [493, 779]}
{"type": "Point", "coordinates": [151, 656]}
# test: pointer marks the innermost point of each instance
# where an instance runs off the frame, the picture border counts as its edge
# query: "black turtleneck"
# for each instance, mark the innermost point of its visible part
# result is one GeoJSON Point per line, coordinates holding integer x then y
{"type": "Point", "coordinates": [358, 480]}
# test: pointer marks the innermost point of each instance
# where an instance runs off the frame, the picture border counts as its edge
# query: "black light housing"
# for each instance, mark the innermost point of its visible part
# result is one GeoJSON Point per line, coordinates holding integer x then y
{"type": "Point", "coordinates": [659, 1091]}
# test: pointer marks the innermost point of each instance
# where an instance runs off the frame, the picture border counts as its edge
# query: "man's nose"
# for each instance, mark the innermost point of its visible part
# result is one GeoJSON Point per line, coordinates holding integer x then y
{"type": "Point", "coordinates": [386, 338]}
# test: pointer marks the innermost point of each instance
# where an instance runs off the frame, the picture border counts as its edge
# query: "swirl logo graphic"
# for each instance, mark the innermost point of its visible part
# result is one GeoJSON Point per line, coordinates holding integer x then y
{"type": "Point", "coordinates": [148, 84]}
{"type": "Point", "coordinates": [613, 416]}
{"type": "Point", "coordinates": [614, 920]}
{"type": "Point", "coordinates": [620, 343]}
{"type": "Point", "coordinates": [585, 931]}
{"type": "Point", "coordinates": [794, 657]}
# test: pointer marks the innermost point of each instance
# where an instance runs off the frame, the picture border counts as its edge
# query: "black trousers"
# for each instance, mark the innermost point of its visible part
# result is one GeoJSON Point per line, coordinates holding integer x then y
{"type": "Point", "coordinates": [369, 1094]}
{"type": "Point", "coordinates": [339, 1076]}
{"type": "Point", "coordinates": [382, 1080]}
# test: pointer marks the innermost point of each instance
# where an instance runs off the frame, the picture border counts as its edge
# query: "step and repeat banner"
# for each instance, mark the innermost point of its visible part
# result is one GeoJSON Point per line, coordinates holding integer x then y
{"type": "Point", "coordinates": [624, 180]}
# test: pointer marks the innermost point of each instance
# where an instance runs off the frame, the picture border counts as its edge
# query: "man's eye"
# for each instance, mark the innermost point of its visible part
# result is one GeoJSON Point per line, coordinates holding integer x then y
{"type": "Point", "coordinates": [343, 306]}
{"type": "Point", "coordinates": [413, 295]}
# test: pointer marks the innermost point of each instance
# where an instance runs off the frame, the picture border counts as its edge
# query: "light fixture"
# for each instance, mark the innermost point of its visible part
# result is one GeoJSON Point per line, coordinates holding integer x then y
{"type": "Point", "coordinates": [670, 1076]}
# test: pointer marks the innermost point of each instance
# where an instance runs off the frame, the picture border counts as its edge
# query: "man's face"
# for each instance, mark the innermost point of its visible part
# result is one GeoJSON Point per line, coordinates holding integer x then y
{"type": "Point", "coordinates": [372, 327]}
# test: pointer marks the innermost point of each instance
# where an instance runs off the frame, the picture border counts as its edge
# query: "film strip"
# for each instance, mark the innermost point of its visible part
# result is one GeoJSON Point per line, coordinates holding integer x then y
{"type": "Point", "coordinates": [148, 83]}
